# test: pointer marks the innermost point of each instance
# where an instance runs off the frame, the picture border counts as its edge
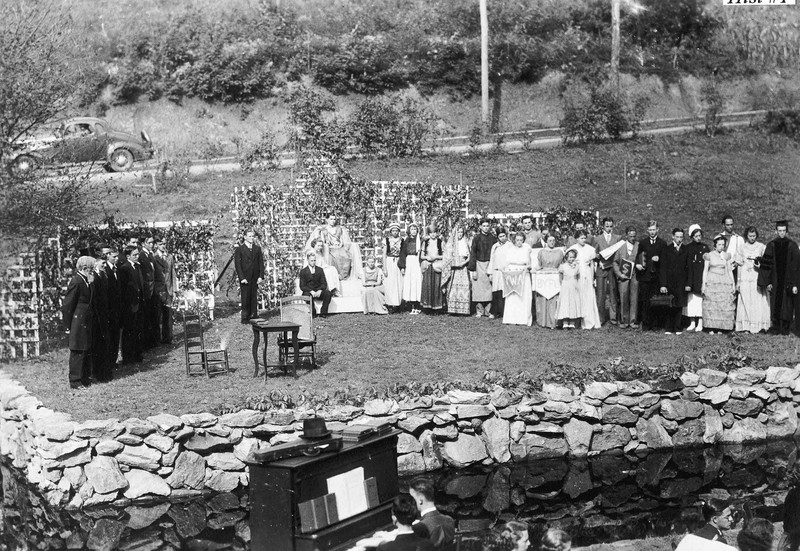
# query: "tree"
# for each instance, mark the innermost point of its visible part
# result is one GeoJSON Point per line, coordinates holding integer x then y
{"type": "Point", "coordinates": [41, 73]}
{"type": "Point", "coordinates": [42, 67]}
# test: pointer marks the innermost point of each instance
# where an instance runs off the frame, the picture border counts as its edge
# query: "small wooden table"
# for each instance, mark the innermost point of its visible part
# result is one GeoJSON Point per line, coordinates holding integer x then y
{"type": "Point", "coordinates": [275, 326]}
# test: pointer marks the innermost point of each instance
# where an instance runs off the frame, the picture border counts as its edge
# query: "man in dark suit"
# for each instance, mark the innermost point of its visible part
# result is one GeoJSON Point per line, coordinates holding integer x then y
{"type": "Point", "coordinates": [147, 263]}
{"type": "Point", "coordinates": [110, 255]}
{"type": "Point", "coordinates": [605, 282]}
{"type": "Point", "coordinates": [77, 316]}
{"type": "Point", "coordinates": [672, 279]}
{"type": "Point", "coordinates": [439, 528]}
{"type": "Point", "coordinates": [779, 273]}
{"type": "Point", "coordinates": [404, 512]}
{"type": "Point", "coordinates": [249, 262]}
{"type": "Point", "coordinates": [314, 284]}
{"type": "Point", "coordinates": [166, 281]}
{"type": "Point", "coordinates": [651, 249]}
{"type": "Point", "coordinates": [130, 282]}
{"type": "Point", "coordinates": [101, 369]}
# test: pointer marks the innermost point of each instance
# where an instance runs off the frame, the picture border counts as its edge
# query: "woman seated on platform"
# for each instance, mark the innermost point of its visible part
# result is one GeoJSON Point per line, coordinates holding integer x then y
{"type": "Point", "coordinates": [517, 283]}
{"type": "Point", "coordinates": [372, 295]}
{"type": "Point", "coordinates": [455, 278]}
{"type": "Point", "coordinates": [340, 251]}
{"type": "Point", "coordinates": [550, 259]}
{"type": "Point", "coordinates": [331, 274]}
{"type": "Point", "coordinates": [432, 296]}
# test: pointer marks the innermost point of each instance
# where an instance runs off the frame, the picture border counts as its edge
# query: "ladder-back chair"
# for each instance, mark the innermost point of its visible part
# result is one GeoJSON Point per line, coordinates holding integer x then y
{"type": "Point", "coordinates": [199, 359]}
{"type": "Point", "coordinates": [297, 309]}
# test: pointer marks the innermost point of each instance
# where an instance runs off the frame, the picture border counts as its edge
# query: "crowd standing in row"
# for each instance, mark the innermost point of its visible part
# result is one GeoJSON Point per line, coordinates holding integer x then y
{"type": "Point", "coordinates": [738, 283]}
{"type": "Point", "coordinates": [117, 304]}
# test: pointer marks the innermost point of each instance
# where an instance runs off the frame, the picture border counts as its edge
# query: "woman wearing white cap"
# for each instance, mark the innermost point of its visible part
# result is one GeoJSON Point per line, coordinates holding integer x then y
{"type": "Point", "coordinates": [695, 264]}
{"type": "Point", "coordinates": [393, 286]}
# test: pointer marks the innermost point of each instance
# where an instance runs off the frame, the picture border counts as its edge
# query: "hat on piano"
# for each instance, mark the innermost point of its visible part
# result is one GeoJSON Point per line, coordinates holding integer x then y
{"type": "Point", "coordinates": [315, 428]}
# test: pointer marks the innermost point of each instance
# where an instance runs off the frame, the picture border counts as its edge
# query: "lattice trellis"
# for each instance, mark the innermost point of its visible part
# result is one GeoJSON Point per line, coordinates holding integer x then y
{"type": "Point", "coordinates": [284, 232]}
{"type": "Point", "coordinates": [19, 310]}
{"type": "Point", "coordinates": [30, 299]}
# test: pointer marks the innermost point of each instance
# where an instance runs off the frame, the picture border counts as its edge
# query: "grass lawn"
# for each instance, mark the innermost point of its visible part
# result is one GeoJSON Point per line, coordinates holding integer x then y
{"type": "Point", "coordinates": [365, 354]}
{"type": "Point", "coordinates": [683, 180]}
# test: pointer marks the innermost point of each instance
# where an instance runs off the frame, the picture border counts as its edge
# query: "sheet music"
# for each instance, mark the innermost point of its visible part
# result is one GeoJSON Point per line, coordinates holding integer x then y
{"type": "Point", "coordinates": [351, 496]}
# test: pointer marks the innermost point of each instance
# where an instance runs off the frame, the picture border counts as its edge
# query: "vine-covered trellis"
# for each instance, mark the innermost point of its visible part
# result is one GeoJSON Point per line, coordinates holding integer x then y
{"type": "Point", "coordinates": [285, 218]}
{"type": "Point", "coordinates": [32, 290]}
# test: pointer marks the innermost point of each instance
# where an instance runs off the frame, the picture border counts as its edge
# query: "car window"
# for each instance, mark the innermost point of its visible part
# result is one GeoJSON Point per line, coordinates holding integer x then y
{"type": "Point", "coordinates": [99, 128]}
{"type": "Point", "coordinates": [77, 130]}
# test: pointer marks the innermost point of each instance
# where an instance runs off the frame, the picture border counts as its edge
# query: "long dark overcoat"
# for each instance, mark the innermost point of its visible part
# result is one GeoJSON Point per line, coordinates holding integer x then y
{"type": "Point", "coordinates": [77, 313]}
{"type": "Point", "coordinates": [695, 263]}
{"type": "Point", "coordinates": [672, 273]}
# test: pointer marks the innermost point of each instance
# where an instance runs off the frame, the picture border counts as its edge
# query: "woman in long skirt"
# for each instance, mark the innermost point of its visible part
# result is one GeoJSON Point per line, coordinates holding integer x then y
{"type": "Point", "coordinates": [550, 259]}
{"type": "Point", "coordinates": [497, 262]}
{"type": "Point", "coordinates": [432, 296]}
{"type": "Point", "coordinates": [372, 295]}
{"type": "Point", "coordinates": [393, 283]}
{"type": "Point", "coordinates": [455, 277]}
{"type": "Point", "coordinates": [517, 283]}
{"type": "Point", "coordinates": [719, 289]}
{"type": "Point", "coordinates": [590, 315]}
{"type": "Point", "coordinates": [569, 301]}
{"type": "Point", "coordinates": [410, 268]}
{"type": "Point", "coordinates": [752, 310]}
{"type": "Point", "coordinates": [695, 265]}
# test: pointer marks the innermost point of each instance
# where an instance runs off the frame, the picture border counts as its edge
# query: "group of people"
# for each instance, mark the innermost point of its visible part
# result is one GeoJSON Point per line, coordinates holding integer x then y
{"type": "Point", "coordinates": [117, 303]}
{"type": "Point", "coordinates": [739, 283]}
{"type": "Point", "coordinates": [421, 527]}
{"type": "Point", "coordinates": [756, 534]}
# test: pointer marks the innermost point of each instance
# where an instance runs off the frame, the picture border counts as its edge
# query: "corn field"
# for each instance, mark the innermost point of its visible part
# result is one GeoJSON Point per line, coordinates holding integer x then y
{"type": "Point", "coordinates": [768, 36]}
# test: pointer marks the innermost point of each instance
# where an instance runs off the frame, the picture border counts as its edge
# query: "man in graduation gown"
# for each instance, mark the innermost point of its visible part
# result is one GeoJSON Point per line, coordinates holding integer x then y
{"type": "Point", "coordinates": [249, 263]}
{"type": "Point", "coordinates": [479, 255]}
{"type": "Point", "coordinates": [651, 249]}
{"type": "Point", "coordinates": [779, 271]}
{"type": "Point", "coordinates": [110, 255]}
{"type": "Point", "coordinates": [130, 283]}
{"type": "Point", "coordinates": [672, 279]}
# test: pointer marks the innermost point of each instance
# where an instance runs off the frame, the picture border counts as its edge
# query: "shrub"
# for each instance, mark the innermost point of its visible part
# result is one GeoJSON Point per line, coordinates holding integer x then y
{"type": "Point", "coordinates": [786, 121]}
{"type": "Point", "coordinates": [605, 114]}
{"type": "Point", "coordinates": [713, 103]}
{"type": "Point", "coordinates": [263, 154]}
{"type": "Point", "coordinates": [390, 126]}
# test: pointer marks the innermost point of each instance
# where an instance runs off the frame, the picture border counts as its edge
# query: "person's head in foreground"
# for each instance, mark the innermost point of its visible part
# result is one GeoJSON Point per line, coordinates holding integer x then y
{"type": "Point", "coordinates": [555, 540]}
{"type": "Point", "coordinates": [511, 537]}
{"type": "Point", "coordinates": [756, 535]}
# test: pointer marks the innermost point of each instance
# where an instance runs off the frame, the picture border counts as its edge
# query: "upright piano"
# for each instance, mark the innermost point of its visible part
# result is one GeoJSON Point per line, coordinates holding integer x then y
{"type": "Point", "coordinates": [293, 502]}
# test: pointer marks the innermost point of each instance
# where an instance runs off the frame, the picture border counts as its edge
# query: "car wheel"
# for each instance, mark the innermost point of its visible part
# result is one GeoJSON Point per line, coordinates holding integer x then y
{"type": "Point", "coordinates": [23, 165]}
{"type": "Point", "coordinates": [120, 160]}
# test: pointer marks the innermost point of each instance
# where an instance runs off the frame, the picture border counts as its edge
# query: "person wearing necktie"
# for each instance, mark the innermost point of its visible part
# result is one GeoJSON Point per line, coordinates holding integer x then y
{"type": "Point", "coordinates": [77, 317]}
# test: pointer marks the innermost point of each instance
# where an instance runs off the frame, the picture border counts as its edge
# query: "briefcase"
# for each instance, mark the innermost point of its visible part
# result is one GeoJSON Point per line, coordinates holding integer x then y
{"type": "Point", "coordinates": [664, 301]}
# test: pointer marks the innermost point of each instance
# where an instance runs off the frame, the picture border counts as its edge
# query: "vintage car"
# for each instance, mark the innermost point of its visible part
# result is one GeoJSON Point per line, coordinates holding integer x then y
{"type": "Point", "coordinates": [80, 140]}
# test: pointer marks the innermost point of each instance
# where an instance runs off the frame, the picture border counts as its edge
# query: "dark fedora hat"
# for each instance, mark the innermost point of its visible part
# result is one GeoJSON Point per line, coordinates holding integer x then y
{"type": "Point", "coordinates": [315, 428]}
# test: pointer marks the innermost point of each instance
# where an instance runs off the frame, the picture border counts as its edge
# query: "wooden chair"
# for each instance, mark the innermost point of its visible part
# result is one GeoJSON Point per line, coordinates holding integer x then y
{"type": "Point", "coordinates": [199, 359]}
{"type": "Point", "coordinates": [297, 309]}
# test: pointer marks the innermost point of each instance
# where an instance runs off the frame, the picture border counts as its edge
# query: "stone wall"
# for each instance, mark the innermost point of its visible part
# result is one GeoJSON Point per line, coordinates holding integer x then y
{"type": "Point", "coordinates": [94, 462]}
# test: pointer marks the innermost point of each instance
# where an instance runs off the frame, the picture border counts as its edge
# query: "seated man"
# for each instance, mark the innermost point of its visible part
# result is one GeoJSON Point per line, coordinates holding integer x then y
{"type": "Point", "coordinates": [404, 511]}
{"type": "Point", "coordinates": [331, 274]}
{"type": "Point", "coordinates": [439, 528]}
{"type": "Point", "coordinates": [313, 283]}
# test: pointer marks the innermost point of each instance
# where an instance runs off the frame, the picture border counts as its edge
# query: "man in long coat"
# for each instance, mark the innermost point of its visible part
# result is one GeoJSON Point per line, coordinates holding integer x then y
{"type": "Point", "coordinates": [672, 279]}
{"type": "Point", "coordinates": [651, 249]}
{"type": "Point", "coordinates": [249, 262]}
{"type": "Point", "coordinates": [130, 282]}
{"type": "Point", "coordinates": [779, 272]}
{"type": "Point", "coordinates": [110, 255]}
{"type": "Point", "coordinates": [166, 280]}
{"type": "Point", "coordinates": [101, 368]}
{"type": "Point", "coordinates": [77, 315]}
{"type": "Point", "coordinates": [605, 281]}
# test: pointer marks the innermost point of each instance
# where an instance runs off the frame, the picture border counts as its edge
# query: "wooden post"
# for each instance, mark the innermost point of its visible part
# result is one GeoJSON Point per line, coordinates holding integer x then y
{"type": "Point", "coordinates": [625, 175]}
{"type": "Point", "coordinates": [484, 63]}
{"type": "Point", "coordinates": [615, 44]}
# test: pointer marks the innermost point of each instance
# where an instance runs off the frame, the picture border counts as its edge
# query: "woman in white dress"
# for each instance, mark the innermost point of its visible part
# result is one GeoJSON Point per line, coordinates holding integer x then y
{"type": "Point", "coordinates": [517, 283]}
{"type": "Point", "coordinates": [393, 283]}
{"type": "Point", "coordinates": [340, 251]}
{"type": "Point", "coordinates": [752, 309]}
{"type": "Point", "coordinates": [590, 315]}
{"type": "Point", "coordinates": [409, 265]}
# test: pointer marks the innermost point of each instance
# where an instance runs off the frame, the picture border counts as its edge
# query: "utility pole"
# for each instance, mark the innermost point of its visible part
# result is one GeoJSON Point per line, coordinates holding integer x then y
{"type": "Point", "coordinates": [484, 63]}
{"type": "Point", "coordinates": [615, 44]}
